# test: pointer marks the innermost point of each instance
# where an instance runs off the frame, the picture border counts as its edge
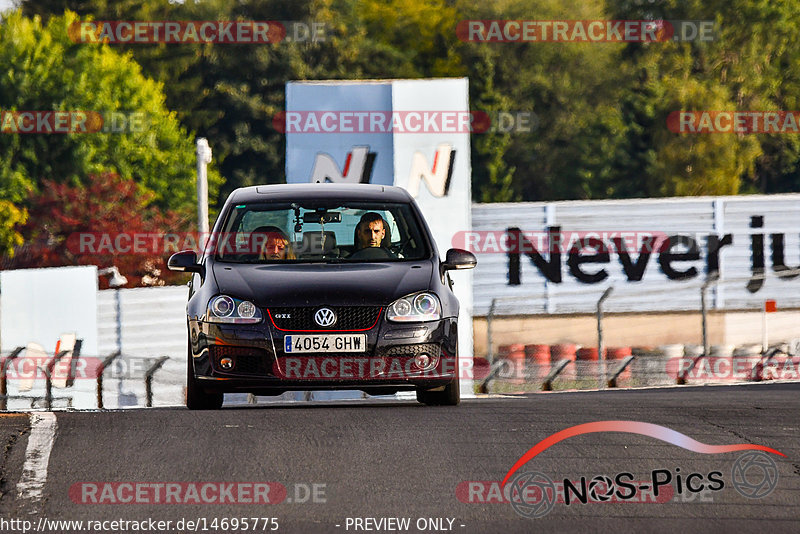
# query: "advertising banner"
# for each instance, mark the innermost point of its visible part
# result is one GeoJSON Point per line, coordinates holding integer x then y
{"type": "Point", "coordinates": [559, 257]}
{"type": "Point", "coordinates": [408, 133]}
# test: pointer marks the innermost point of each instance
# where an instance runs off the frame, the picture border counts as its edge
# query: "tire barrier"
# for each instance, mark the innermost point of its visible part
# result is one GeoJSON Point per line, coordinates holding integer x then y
{"type": "Point", "coordinates": [515, 357]}
{"type": "Point", "coordinates": [565, 351]}
{"type": "Point", "coordinates": [537, 357]}
{"type": "Point", "coordinates": [571, 367]}
{"type": "Point", "coordinates": [615, 356]}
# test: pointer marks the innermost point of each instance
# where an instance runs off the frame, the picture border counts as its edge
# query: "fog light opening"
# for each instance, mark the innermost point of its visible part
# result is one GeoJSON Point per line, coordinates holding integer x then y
{"type": "Point", "coordinates": [423, 361]}
{"type": "Point", "coordinates": [226, 363]}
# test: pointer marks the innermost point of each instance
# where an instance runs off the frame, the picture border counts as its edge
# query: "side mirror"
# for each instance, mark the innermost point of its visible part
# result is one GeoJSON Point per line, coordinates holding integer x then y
{"type": "Point", "coordinates": [185, 260]}
{"type": "Point", "coordinates": [459, 259]}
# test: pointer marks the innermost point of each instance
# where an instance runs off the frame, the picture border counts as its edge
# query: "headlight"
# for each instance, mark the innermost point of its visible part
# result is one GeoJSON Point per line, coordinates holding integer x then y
{"type": "Point", "coordinates": [222, 306]}
{"type": "Point", "coordinates": [416, 307]}
{"type": "Point", "coordinates": [225, 309]}
{"type": "Point", "coordinates": [246, 309]}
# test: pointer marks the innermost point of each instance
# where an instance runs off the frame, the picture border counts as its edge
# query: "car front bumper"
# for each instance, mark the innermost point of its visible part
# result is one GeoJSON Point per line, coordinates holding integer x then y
{"type": "Point", "coordinates": [262, 367]}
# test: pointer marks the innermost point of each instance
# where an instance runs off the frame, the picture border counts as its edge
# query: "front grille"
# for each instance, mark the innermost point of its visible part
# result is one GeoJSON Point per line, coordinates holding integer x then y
{"type": "Point", "coordinates": [347, 318]}
{"type": "Point", "coordinates": [248, 360]}
{"type": "Point", "coordinates": [432, 349]}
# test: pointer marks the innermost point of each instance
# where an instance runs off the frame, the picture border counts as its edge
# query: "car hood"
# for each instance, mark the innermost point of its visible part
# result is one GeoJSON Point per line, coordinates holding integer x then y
{"type": "Point", "coordinates": [318, 284]}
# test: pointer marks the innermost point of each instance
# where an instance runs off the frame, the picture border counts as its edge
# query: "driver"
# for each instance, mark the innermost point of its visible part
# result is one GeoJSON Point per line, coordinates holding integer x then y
{"type": "Point", "coordinates": [371, 231]}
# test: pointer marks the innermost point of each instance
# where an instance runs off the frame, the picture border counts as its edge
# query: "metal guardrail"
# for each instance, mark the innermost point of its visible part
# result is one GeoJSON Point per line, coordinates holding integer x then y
{"type": "Point", "coordinates": [49, 398]}
{"type": "Point", "coordinates": [547, 385]}
{"type": "Point", "coordinates": [612, 382]}
{"type": "Point", "coordinates": [3, 377]}
{"type": "Point", "coordinates": [148, 379]}
{"type": "Point", "coordinates": [639, 370]}
{"type": "Point", "coordinates": [713, 280]}
{"type": "Point", "coordinates": [106, 362]}
{"type": "Point", "coordinates": [684, 374]}
{"type": "Point", "coordinates": [76, 353]}
{"type": "Point", "coordinates": [757, 372]}
{"type": "Point", "coordinates": [493, 372]}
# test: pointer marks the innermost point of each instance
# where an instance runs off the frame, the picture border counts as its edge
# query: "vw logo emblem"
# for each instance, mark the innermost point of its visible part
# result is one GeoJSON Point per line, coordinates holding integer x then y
{"type": "Point", "coordinates": [325, 317]}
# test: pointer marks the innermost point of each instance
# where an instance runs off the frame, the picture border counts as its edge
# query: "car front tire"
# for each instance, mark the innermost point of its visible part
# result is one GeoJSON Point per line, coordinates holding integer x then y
{"type": "Point", "coordinates": [196, 398]}
{"type": "Point", "coordinates": [449, 396]}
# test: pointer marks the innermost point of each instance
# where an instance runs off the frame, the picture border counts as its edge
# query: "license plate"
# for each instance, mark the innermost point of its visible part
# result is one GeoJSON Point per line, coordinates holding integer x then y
{"type": "Point", "coordinates": [325, 343]}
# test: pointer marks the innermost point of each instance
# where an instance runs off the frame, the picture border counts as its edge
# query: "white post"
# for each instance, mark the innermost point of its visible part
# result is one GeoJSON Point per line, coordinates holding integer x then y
{"type": "Point", "coordinates": [764, 340]}
{"type": "Point", "coordinates": [203, 159]}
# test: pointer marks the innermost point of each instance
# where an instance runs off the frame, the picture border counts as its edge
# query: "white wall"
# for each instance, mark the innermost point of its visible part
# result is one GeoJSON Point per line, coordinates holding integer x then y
{"type": "Point", "coordinates": [39, 305]}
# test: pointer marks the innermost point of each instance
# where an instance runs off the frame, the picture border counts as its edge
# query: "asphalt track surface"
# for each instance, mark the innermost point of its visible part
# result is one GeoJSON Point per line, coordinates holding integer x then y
{"type": "Point", "coordinates": [400, 459]}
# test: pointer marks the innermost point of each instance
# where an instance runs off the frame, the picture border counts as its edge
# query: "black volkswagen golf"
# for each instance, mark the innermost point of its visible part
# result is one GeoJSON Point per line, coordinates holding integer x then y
{"type": "Point", "coordinates": [321, 286]}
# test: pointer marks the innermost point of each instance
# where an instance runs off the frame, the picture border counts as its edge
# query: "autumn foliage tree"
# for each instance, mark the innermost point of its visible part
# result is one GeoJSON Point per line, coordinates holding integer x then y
{"type": "Point", "coordinates": [82, 225]}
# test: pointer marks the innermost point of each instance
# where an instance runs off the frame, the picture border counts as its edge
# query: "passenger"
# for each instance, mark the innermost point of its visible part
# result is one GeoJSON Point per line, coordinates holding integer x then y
{"type": "Point", "coordinates": [371, 231]}
{"type": "Point", "coordinates": [273, 243]}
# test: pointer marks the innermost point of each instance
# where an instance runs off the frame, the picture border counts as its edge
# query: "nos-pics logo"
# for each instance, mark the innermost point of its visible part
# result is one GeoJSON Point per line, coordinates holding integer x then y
{"type": "Point", "coordinates": [359, 162]}
{"type": "Point", "coordinates": [533, 494]}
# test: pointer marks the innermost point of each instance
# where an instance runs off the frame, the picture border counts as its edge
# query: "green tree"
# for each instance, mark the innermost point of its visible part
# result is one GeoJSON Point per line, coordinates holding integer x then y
{"type": "Point", "coordinates": [492, 177]}
{"type": "Point", "coordinates": [601, 108]}
{"type": "Point", "coordinates": [180, 68]}
{"type": "Point", "coordinates": [46, 71]}
{"type": "Point", "coordinates": [746, 66]}
{"type": "Point", "coordinates": [363, 40]}
{"type": "Point", "coordinates": [230, 93]}
{"type": "Point", "coordinates": [571, 88]}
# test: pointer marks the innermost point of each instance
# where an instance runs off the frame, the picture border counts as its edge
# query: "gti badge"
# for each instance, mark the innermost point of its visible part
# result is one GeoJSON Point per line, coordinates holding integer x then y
{"type": "Point", "coordinates": [325, 317]}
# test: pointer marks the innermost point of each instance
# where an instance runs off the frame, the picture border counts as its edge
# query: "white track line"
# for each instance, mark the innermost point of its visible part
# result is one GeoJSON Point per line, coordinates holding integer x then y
{"type": "Point", "coordinates": [37, 456]}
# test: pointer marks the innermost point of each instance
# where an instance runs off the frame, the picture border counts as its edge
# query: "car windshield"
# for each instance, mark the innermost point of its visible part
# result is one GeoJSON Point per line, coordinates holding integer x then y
{"type": "Point", "coordinates": [320, 232]}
